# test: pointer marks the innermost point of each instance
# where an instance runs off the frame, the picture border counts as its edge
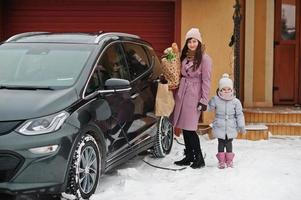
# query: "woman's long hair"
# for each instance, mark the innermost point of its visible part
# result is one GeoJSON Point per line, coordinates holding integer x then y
{"type": "Point", "coordinates": [198, 54]}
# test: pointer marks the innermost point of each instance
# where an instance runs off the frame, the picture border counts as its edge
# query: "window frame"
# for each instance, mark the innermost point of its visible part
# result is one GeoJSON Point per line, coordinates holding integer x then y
{"type": "Point", "coordinates": [150, 62]}
{"type": "Point", "coordinates": [101, 53]}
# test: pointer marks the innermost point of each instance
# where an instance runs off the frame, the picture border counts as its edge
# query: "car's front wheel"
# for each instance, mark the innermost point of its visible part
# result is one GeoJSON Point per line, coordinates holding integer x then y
{"type": "Point", "coordinates": [85, 169]}
{"type": "Point", "coordinates": [164, 138]}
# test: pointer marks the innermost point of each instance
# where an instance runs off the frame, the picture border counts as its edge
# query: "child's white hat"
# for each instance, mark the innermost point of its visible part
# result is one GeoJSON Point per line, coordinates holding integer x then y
{"type": "Point", "coordinates": [225, 81]}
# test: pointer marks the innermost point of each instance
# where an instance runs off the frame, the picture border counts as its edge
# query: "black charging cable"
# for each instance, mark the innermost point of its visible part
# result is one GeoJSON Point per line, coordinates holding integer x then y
{"type": "Point", "coordinates": [148, 163]}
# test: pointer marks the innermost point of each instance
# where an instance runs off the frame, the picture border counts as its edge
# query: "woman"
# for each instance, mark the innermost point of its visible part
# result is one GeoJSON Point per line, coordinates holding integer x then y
{"type": "Point", "coordinates": [192, 96]}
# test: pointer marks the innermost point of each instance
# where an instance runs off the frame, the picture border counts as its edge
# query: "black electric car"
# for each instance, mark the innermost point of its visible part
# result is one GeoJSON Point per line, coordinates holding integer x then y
{"type": "Point", "coordinates": [73, 106]}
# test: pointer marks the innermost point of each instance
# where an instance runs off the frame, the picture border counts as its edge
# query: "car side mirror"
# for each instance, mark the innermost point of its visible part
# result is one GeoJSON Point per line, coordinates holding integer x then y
{"type": "Point", "coordinates": [117, 84]}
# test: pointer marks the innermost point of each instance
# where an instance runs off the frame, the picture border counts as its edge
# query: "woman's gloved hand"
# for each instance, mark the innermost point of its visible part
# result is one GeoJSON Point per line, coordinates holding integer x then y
{"type": "Point", "coordinates": [163, 79]}
{"type": "Point", "coordinates": [201, 107]}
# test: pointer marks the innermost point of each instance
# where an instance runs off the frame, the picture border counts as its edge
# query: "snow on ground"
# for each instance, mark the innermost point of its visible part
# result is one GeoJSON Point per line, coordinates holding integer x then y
{"type": "Point", "coordinates": [264, 170]}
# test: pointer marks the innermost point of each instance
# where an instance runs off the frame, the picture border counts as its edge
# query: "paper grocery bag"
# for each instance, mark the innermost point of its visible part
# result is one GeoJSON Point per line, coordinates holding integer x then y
{"type": "Point", "coordinates": [164, 101]}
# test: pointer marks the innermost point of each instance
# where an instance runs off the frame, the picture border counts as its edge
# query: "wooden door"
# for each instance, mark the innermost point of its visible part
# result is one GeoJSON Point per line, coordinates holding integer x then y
{"type": "Point", "coordinates": [286, 86]}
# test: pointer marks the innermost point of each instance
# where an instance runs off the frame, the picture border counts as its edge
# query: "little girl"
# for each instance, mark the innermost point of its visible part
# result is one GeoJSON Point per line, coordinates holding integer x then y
{"type": "Point", "coordinates": [229, 119]}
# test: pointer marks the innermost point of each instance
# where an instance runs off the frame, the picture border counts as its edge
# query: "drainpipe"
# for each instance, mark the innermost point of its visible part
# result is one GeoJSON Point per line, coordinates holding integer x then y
{"type": "Point", "coordinates": [236, 41]}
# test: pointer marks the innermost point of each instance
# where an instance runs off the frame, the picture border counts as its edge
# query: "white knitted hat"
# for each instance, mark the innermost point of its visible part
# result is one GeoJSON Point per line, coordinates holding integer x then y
{"type": "Point", "coordinates": [225, 81]}
{"type": "Point", "coordinates": [194, 33]}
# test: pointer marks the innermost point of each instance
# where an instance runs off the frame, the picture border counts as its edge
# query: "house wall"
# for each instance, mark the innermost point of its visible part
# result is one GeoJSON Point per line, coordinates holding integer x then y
{"type": "Point", "coordinates": [214, 19]}
{"type": "Point", "coordinates": [259, 37]}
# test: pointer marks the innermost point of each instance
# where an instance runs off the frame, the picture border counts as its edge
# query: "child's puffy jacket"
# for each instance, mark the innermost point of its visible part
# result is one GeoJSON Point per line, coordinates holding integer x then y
{"type": "Point", "coordinates": [229, 118]}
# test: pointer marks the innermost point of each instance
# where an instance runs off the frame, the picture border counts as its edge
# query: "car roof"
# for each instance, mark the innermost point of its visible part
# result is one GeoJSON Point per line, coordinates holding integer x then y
{"type": "Point", "coordinates": [76, 38]}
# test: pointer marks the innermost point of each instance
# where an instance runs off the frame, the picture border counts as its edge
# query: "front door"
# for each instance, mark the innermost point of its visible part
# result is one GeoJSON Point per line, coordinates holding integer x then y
{"type": "Point", "coordinates": [287, 70]}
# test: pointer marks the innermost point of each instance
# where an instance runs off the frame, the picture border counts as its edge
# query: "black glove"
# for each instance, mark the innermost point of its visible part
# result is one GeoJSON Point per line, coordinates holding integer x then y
{"type": "Point", "coordinates": [201, 107]}
{"type": "Point", "coordinates": [163, 79]}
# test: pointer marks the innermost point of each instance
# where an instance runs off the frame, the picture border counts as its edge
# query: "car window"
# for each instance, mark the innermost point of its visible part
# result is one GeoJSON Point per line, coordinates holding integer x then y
{"type": "Point", "coordinates": [112, 64]}
{"type": "Point", "coordinates": [94, 83]}
{"type": "Point", "coordinates": [155, 62]}
{"type": "Point", "coordinates": [136, 58]}
{"type": "Point", "coordinates": [42, 65]}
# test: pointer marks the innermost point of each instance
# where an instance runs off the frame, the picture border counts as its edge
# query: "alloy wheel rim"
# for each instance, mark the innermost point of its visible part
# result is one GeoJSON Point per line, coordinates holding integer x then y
{"type": "Point", "coordinates": [166, 131]}
{"type": "Point", "coordinates": [87, 169]}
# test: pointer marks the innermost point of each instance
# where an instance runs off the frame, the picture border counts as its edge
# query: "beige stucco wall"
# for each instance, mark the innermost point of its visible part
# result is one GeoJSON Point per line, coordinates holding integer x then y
{"type": "Point", "coordinates": [214, 19]}
{"type": "Point", "coordinates": [259, 34]}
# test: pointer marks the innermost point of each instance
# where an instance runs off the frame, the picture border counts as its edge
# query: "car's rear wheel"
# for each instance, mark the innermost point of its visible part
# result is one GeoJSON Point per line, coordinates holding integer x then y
{"type": "Point", "coordinates": [164, 138]}
{"type": "Point", "coordinates": [85, 169]}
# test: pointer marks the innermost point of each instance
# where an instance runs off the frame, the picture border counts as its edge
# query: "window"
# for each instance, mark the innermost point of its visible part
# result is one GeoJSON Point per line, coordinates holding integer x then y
{"type": "Point", "coordinates": [94, 83]}
{"type": "Point", "coordinates": [112, 64]}
{"type": "Point", "coordinates": [137, 59]}
{"type": "Point", "coordinates": [155, 62]}
{"type": "Point", "coordinates": [31, 64]}
{"type": "Point", "coordinates": [288, 20]}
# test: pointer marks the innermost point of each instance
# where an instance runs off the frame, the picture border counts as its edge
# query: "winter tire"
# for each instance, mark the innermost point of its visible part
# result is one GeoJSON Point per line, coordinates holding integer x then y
{"type": "Point", "coordinates": [164, 138]}
{"type": "Point", "coordinates": [85, 169]}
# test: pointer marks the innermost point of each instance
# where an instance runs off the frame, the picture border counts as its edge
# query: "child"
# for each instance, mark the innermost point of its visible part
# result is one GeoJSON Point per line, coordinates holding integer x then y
{"type": "Point", "coordinates": [229, 119]}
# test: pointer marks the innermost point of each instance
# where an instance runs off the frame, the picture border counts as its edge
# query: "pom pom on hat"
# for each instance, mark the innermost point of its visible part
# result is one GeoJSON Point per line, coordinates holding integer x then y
{"type": "Point", "coordinates": [194, 33]}
{"type": "Point", "coordinates": [225, 81]}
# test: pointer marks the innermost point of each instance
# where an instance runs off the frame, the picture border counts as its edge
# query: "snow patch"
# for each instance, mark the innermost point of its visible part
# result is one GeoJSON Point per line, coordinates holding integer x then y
{"type": "Point", "coordinates": [263, 170]}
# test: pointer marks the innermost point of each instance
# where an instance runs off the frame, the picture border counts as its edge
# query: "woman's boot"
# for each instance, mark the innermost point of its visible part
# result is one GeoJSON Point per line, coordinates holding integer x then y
{"type": "Point", "coordinates": [198, 160]}
{"type": "Point", "coordinates": [187, 151]}
{"type": "Point", "coordinates": [194, 140]}
{"type": "Point", "coordinates": [187, 159]}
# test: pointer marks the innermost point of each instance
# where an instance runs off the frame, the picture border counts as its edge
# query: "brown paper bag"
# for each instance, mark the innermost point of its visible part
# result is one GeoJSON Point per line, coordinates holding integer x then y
{"type": "Point", "coordinates": [164, 101]}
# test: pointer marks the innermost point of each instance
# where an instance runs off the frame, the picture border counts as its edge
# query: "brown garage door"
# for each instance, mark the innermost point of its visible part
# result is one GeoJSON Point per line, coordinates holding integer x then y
{"type": "Point", "coordinates": [153, 21]}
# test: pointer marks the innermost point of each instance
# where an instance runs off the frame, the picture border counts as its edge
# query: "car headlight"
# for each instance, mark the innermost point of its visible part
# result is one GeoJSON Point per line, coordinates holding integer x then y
{"type": "Point", "coordinates": [43, 125]}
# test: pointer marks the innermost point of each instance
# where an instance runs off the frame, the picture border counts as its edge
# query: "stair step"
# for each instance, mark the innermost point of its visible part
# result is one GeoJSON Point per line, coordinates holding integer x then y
{"type": "Point", "coordinates": [292, 129]}
{"type": "Point", "coordinates": [255, 132]}
{"type": "Point", "coordinates": [272, 118]}
{"type": "Point", "coordinates": [272, 115]}
{"type": "Point", "coordinates": [280, 120]}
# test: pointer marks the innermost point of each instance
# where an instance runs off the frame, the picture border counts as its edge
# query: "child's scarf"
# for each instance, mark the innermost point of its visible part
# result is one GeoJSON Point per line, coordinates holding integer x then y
{"type": "Point", "coordinates": [226, 96]}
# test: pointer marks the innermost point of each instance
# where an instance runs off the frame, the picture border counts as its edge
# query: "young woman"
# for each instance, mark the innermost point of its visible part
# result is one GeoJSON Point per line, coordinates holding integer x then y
{"type": "Point", "coordinates": [192, 96]}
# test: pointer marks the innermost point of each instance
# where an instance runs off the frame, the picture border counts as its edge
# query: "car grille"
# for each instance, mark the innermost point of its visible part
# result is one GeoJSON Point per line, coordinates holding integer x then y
{"type": "Point", "coordinates": [6, 127]}
{"type": "Point", "coordinates": [9, 165]}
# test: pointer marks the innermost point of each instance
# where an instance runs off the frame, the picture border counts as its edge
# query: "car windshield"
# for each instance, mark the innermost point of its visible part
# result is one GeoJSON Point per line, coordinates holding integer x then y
{"type": "Point", "coordinates": [41, 65]}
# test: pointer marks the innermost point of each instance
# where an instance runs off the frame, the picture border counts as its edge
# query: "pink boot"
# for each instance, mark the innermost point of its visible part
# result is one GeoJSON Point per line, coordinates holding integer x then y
{"type": "Point", "coordinates": [229, 159]}
{"type": "Point", "coordinates": [221, 156]}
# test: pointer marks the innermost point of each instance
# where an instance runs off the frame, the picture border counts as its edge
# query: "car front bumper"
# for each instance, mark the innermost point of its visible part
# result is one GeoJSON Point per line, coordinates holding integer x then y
{"type": "Point", "coordinates": [22, 171]}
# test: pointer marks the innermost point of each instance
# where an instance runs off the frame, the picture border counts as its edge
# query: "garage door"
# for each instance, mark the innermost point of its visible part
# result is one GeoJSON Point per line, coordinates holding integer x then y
{"type": "Point", "coordinates": [153, 21]}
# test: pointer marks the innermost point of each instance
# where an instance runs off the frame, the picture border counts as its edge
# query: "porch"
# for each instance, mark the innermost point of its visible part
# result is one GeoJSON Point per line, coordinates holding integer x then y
{"type": "Point", "coordinates": [263, 122]}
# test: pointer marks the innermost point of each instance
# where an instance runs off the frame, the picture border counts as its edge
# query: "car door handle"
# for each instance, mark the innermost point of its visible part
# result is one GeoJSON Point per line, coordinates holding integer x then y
{"type": "Point", "coordinates": [134, 96]}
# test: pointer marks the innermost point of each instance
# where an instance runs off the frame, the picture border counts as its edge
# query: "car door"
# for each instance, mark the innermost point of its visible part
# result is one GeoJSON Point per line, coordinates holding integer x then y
{"type": "Point", "coordinates": [112, 64]}
{"type": "Point", "coordinates": [140, 70]}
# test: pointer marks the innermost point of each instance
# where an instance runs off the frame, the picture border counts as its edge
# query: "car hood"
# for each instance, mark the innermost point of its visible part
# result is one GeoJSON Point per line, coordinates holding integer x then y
{"type": "Point", "coordinates": [27, 104]}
